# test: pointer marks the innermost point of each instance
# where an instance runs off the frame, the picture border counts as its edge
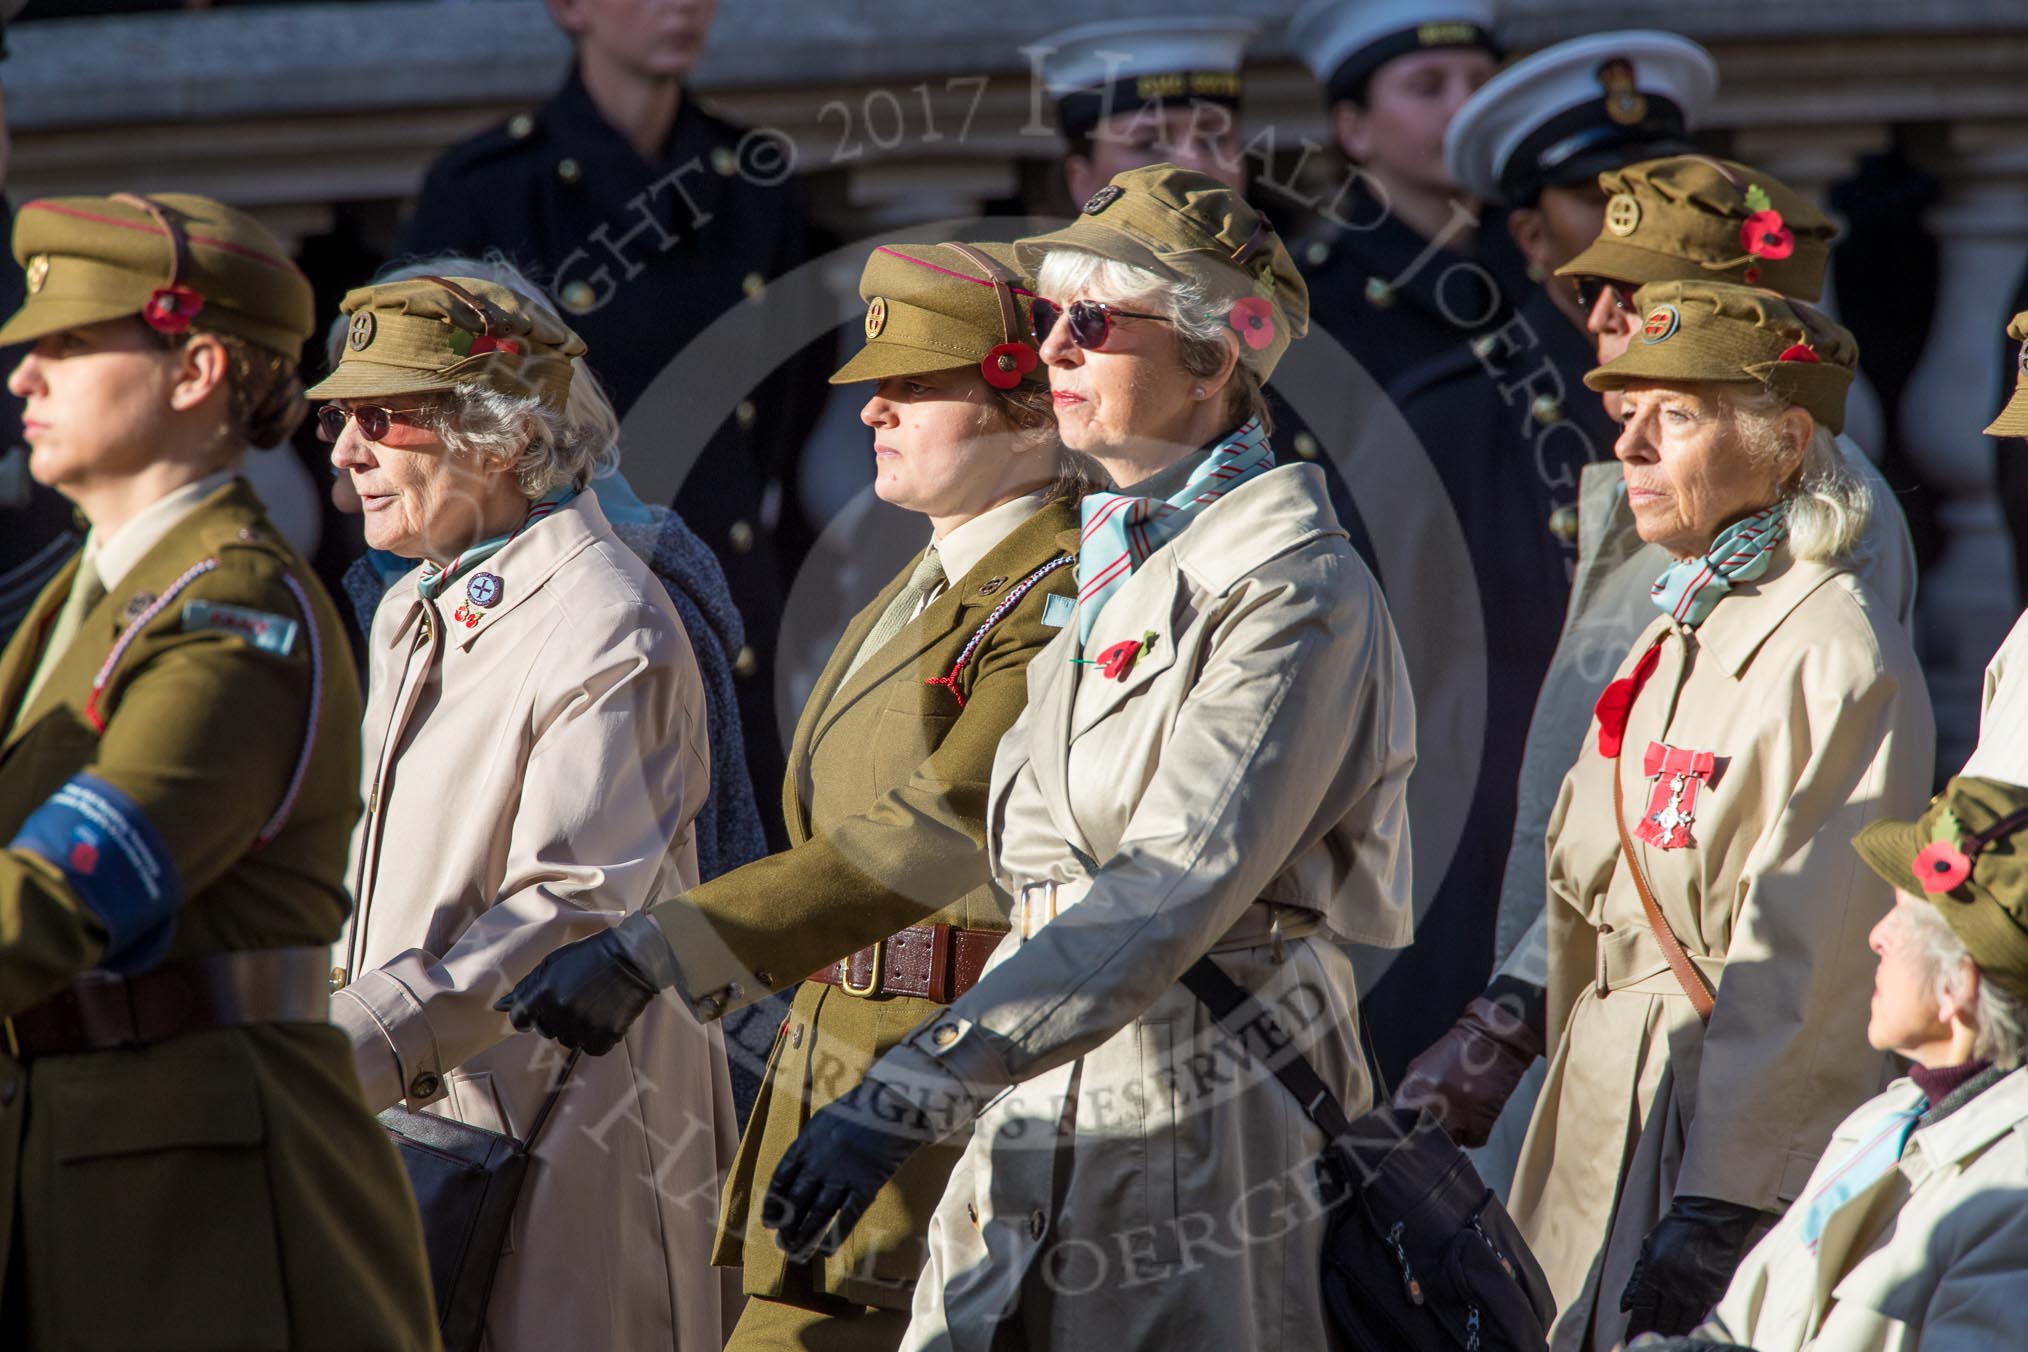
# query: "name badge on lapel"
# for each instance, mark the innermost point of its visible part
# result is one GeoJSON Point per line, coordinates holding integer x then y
{"type": "Point", "coordinates": [1672, 804]}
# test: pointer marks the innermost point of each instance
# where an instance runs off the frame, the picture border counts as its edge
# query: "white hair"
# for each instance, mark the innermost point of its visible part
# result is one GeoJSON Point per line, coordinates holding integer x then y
{"type": "Point", "coordinates": [1999, 1019]}
{"type": "Point", "coordinates": [1203, 332]}
{"type": "Point", "coordinates": [1830, 503]}
{"type": "Point", "coordinates": [543, 448]}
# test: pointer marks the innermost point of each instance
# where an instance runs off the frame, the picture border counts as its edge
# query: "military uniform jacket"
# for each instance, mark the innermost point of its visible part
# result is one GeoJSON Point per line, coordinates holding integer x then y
{"type": "Point", "coordinates": [640, 256]}
{"type": "Point", "coordinates": [1125, 1187]}
{"type": "Point", "coordinates": [1928, 1257]}
{"type": "Point", "coordinates": [886, 805]}
{"type": "Point", "coordinates": [223, 1188]}
{"type": "Point", "coordinates": [1509, 426]}
{"type": "Point", "coordinates": [532, 771]}
{"type": "Point", "coordinates": [1810, 700]}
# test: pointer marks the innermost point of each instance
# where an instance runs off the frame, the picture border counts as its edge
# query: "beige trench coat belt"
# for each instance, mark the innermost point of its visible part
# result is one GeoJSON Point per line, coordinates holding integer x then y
{"type": "Point", "coordinates": [1629, 959]}
{"type": "Point", "coordinates": [1264, 922]}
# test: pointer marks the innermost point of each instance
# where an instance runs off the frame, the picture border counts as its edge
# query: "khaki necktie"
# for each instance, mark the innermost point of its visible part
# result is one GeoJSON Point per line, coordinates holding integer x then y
{"type": "Point", "coordinates": [85, 592]}
{"type": "Point", "coordinates": [927, 577]}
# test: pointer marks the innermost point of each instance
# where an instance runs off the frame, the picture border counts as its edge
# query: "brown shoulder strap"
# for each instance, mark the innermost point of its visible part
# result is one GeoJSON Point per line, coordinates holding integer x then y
{"type": "Point", "coordinates": [1688, 975]}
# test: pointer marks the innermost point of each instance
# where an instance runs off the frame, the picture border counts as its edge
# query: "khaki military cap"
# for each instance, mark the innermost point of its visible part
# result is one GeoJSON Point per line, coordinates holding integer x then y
{"type": "Point", "coordinates": [1185, 226]}
{"type": "Point", "coordinates": [942, 307]}
{"type": "Point", "coordinates": [2013, 419]}
{"type": "Point", "coordinates": [1693, 331]}
{"type": "Point", "coordinates": [437, 333]}
{"type": "Point", "coordinates": [175, 260]}
{"type": "Point", "coordinates": [1691, 218]}
{"type": "Point", "coordinates": [1968, 857]}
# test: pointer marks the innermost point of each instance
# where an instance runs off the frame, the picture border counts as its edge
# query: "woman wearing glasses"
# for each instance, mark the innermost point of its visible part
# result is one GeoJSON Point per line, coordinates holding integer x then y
{"type": "Point", "coordinates": [1213, 761]}
{"type": "Point", "coordinates": [882, 906]}
{"type": "Point", "coordinates": [535, 758]}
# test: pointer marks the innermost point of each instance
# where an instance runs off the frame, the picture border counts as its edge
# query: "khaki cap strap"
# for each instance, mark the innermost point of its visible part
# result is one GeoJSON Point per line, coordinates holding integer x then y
{"type": "Point", "coordinates": [1261, 239]}
{"type": "Point", "coordinates": [1003, 287]}
{"type": "Point", "coordinates": [179, 243]}
{"type": "Point", "coordinates": [478, 306]}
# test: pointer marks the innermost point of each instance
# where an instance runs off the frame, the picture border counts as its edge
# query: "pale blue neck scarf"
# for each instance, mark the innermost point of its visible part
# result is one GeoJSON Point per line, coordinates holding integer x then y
{"type": "Point", "coordinates": [1688, 589]}
{"type": "Point", "coordinates": [434, 579]}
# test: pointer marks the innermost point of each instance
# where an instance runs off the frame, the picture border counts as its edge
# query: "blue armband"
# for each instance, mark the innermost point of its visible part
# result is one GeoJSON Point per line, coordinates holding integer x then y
{"type": "Point", "coordinates": [115, 862]}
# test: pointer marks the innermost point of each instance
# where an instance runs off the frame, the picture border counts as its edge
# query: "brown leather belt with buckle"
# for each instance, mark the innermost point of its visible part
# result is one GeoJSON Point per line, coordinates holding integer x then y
{"type": "Point", "coordinates": [102, 1011]}
{"type": "Point", "coordinates": [929, 962]}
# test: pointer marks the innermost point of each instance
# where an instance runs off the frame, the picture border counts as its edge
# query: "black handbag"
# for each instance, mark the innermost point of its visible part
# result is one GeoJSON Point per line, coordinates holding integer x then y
{"type": "Point", "coordinates": [466, 1181]}
{"type": "Point", "coordinates": [1419, 1255]}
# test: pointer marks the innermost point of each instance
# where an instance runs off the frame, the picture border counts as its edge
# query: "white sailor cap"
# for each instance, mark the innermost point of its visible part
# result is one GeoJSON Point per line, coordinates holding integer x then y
{"type": "Point", "coordinates": [1098, 69]}
{"type": "Point", "coordinates": [1574, 110]}
{"type": "Point", "coordinates": [1345, 41]}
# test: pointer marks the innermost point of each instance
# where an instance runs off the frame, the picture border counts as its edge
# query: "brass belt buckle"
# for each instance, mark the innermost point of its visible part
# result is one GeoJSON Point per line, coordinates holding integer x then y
{"type": "Point", "coordinates": [872, 986]}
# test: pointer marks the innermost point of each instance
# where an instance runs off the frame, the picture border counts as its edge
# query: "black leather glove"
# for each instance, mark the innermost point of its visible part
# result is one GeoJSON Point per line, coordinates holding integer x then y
{"type": "Point", "coordinates": [1468, 1074]}
{"type": "Point", "coordinates": [847, 1153]}
{"type": "Point", "coordinates": [1685, 1264]}
{"type": "Point", "coordinates": [585, 994]}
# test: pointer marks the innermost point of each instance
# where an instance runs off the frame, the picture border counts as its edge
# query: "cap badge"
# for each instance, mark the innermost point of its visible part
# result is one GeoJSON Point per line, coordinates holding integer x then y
{"type": "Point", "coordinates": [38, 272]}
{"type": "Point", "coordinates": [484, 590]}
{"type": "Point", "coordinates": [1661, 324]}
{"type": "Point", "coordinates": [1103, 198]}
{"type": "Point", "coordinates": [1623, 214]}
{"type": "Point", "coordinates": [359, 332]}
{"type": "Point", "coordinates": [876, 317]}
{"type": "Point", "coordinates": [1624, 101]}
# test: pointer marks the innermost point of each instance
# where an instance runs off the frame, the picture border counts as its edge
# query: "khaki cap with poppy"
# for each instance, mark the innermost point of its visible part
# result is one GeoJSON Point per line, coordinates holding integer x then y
{"type": "Point", "coordinates": [1968, 857]}
{"type": "Point", "coordinates": [943, 307]}
{"type": "Point", "coordinates": [1715, 331]}
{"type": "Point", "coordinates": [1185, 226]}
{"type": "Point", "coordinates": [2013, 419]}
{"type": "Point", "coordinates": [1692, 218]}
{"type": "Point", "coordinates": [438, 333]}
{"type": "Point", "coordinates": [173, 259]}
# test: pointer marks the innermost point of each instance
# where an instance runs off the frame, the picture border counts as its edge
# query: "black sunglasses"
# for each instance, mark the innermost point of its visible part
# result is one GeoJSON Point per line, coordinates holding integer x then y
{"type": "Point", "coordinates": [373, 420]}
{"type": "Point", "coordinates": [1091, 321]}
{"type": "Point", "coordinates": [1589, 289]}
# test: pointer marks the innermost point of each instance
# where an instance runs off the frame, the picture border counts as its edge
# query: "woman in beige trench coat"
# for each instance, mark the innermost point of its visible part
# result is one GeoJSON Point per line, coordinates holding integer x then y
{"type": "Point", "coordinates": [1771, 709]}
{"type": "Point", "coordinates": [1213, 759]}
{"type": "Point", "coordinates": [534, 758]}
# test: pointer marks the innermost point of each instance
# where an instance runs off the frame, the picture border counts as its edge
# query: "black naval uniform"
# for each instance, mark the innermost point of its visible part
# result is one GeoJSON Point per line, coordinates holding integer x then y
{"type": "Point", "coordinates": [1510, 464]}
{"type": "Point", "coordinates": [1393, 302]}
{"type": "Point", "coordinates": [564, 194]}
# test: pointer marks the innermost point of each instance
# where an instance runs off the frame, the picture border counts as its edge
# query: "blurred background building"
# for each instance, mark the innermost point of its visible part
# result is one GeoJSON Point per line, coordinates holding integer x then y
{"type": "Point", "coordinates": [1909, 120]}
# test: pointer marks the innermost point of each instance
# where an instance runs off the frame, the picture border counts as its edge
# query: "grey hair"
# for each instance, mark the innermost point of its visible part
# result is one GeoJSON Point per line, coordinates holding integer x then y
{"type": "Point", "coordinates": [544, 449]}
{"type": "Point", "coordinates": [1830, 503]}
{"type": "Point", "coordinates": [1203, 334]}
{"type": "Point", "coordinates": [1999, 1019]}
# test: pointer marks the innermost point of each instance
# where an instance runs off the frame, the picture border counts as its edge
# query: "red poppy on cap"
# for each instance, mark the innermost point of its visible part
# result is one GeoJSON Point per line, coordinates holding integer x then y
{"type": "Point", "coordinates": [1939, 866]}
{"type": "Point", "coordinates": [1799, 353]}
{"type": "Point", "coordinates": [1004, 366]}
{"type": "Point", "coordinates": [1765, 236]}
{"type": "Point", "coordinates": [485, 344]}
{"type": "Point", "coordinates": [1255, 320]}
{"type": "Point", "coordinates": [171, 308]}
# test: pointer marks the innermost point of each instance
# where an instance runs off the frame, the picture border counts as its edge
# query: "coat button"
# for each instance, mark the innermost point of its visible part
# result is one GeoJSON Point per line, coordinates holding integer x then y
{"type": "Point", "coordinates": [1306, 446]}
{"type": "Point", "coordinates": [568, 170]}
{"type": "Point", "coordinates": [423, 1086]}
{"type": "Point", "coordinates": [520, 125]}
{"type": "Point", "coordinates": [1546, 409]}
{"type": "Point", "coordinates": [1485, 345]}
{"type": "Point", "coordinates": [746, 663]}
{"type": "Point", "coordinates": [1037, 1223]}
{"type": "Point", "coordinates": [1316, 252]}
{"type": "Point", "coordinates": [724, 161]}
{"type": "Point", "coordinates": [578, 296]}
{"type": "Point", "coordinates": [744, 413]}
{"type": "Point", "coordinates": [1563, 523]}
{"type": "Point", "coordinates": [337, 978]}
{"type": "Point", "coordinates": [753, 284]}
{"type": "Point", "coordinates": [740, 537]}
{"type": "Point", "coordinates": [945, 1034]}
{"type": "Point", "coordinates": [1378, 293]}
{"type": "Point", "coordinates": [796, 1037]}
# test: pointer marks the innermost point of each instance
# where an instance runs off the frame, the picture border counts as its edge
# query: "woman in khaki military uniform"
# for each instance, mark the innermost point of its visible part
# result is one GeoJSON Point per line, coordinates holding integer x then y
{"type": "Point", "coordinates": [1701, 1059]}
{"type": "Point", "coordinates": [1214, 760]}
{"type": "Point", "coordinates": [884, 892]}
{"type": "Point", "coordinates": [184, 1157]}
{"type": "Point", "coordinates": [535, 760]}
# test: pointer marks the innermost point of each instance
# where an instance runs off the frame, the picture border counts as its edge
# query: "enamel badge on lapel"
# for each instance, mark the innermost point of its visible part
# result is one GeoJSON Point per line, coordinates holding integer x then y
{"type": "Point", "coordinates": [483, 590]}
{"type": "Point", "coordinates": [1672, 806]}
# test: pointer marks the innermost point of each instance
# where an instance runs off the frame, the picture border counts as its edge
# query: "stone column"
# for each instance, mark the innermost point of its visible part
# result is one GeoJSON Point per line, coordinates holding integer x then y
{"type": "Point", "coordinates": [1968, 598]}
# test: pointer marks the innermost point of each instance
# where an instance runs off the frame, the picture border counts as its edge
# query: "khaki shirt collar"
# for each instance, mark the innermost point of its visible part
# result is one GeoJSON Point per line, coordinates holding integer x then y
{"type": "Point", "coordinates": [115, 555]}
{"type": "Point", "coordinates": [962, 547]}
